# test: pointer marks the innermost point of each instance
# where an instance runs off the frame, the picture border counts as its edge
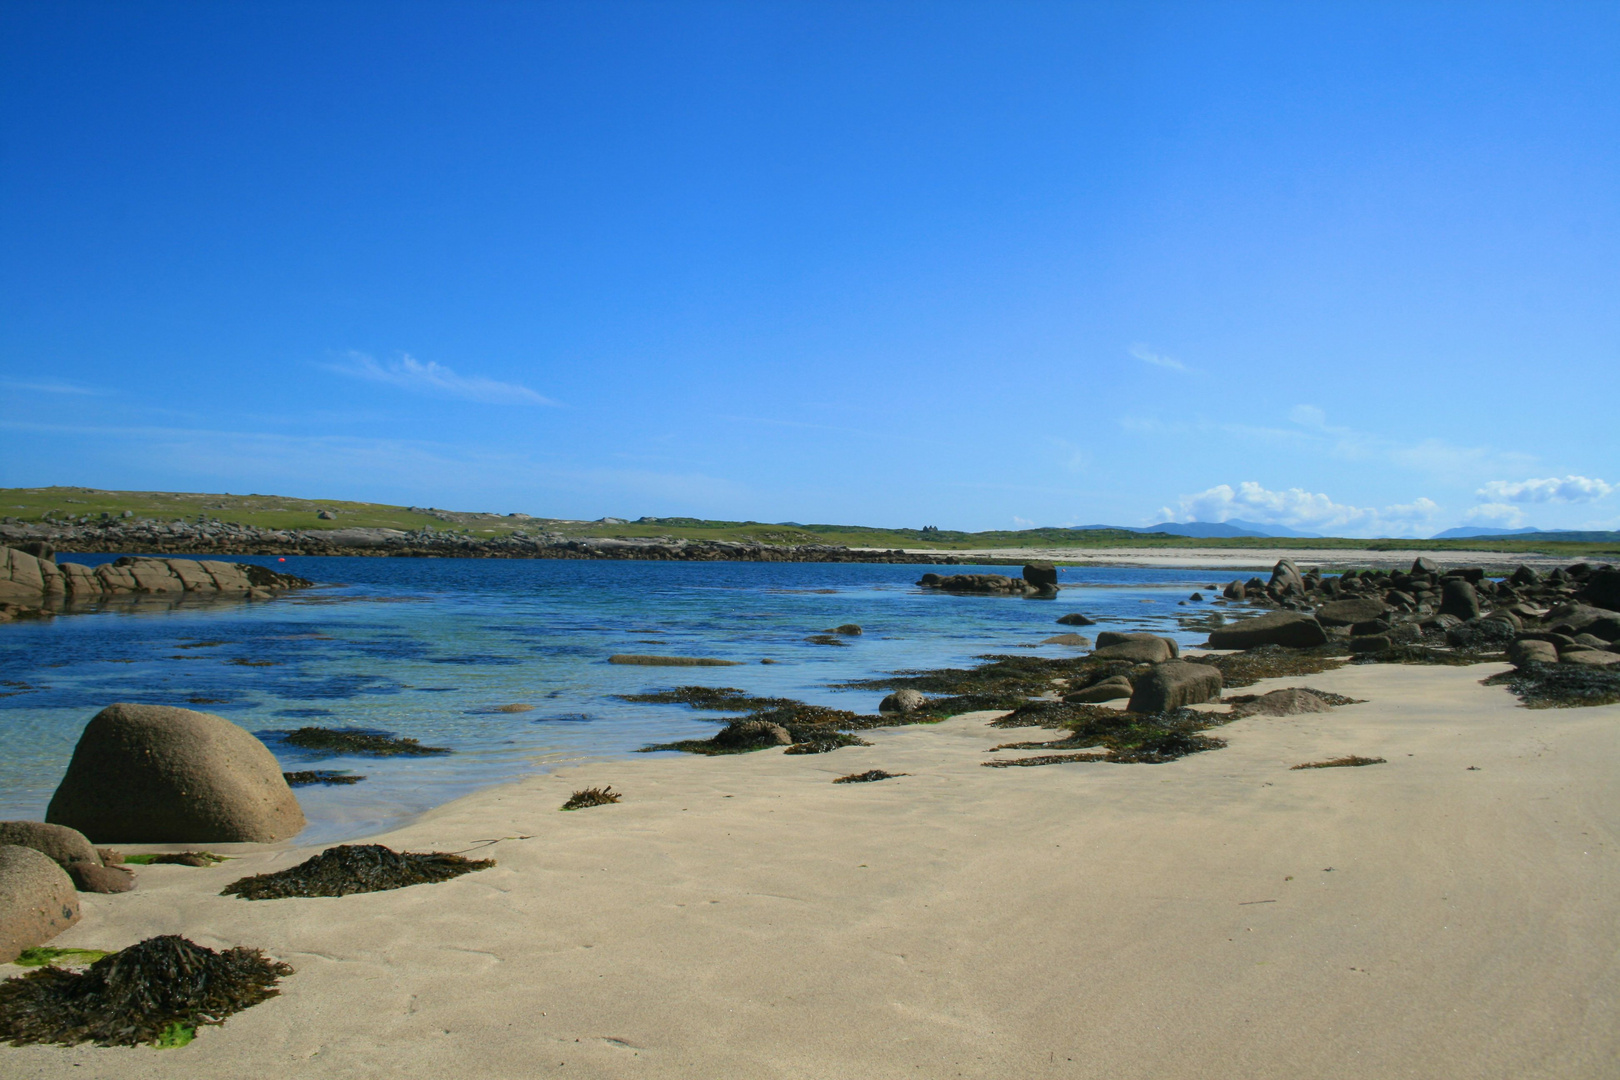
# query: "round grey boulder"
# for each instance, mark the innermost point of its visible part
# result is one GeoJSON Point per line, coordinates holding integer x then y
{"type": "Point", "coordinates": [37, 900]}
{"type": "Point", "coordinates": [62, 844]}
{"type": "Point", "coordinates": [903, 701]}
{"type": "Point", "coordinates": [152, 774]}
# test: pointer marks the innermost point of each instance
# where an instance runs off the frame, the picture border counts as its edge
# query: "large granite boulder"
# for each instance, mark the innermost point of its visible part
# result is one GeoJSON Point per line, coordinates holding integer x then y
{"type": "Point", "coordinates": [65, 846]}
{"type": "Point", "coordinates": [1291, 628]}
{"type": "Point", "coordinates": [1138, 648]}
{"type": "Point", "coordinates": [1459, 598]}
{"type": "Point", "coordinates": [152, 774]}
{"type": "Point", "coordinates": [37, 900]}
{"type": "Point", "coordinates": [1175, 683]}
{"type": "Point", "coordinates": [1349, 612]}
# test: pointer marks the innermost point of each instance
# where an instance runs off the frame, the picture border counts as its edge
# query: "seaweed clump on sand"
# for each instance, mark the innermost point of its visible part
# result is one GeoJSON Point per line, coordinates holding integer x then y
{"type": "Point", "coordinates": [1349, 761]}
{"type": "Point", "coordinates": [868, 776]}
{"type": "Point", "coordinates": [359, 741]}
{"type": "Point", "coordinates": [823, 744]}
{"type": "Point", "coordinates": [1275, 662]}
{"type": "Point", "coordinates": [998, 675]}
{"type": "Point", "coordinates": [158, 991]}
{"type": "Point", "coordinates": [1560, 686]}
{"type": "Point", "coordinates": [329, 777]}
{"type": "Point", "coordinates": [718, 698]}
{"type": "Point", "coordinates": [355, 868]}
{"type": "Point", "coordinates": [1127, 738]}
{"type": "Point", "coordinates": [1416, 653]}
{"type": "Point", "coordinates": [592, 796]}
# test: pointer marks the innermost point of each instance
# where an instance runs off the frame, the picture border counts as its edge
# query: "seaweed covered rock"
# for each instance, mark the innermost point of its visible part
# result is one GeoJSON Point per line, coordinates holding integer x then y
{"type": "Point", "coordinates": [1174, 684]}
{"type": "Point", "coordinates": [144, 993]}
{"type": "Point", "coordinates": [155, 774]}
{"type": "Point", "coordinates": [355, 868]}
{"type": "Point", "coordinates": [62, 844]}
{"type": "Point", "coordinates": [37, 900]}
{"type": "Point", "coordinates": [1292, 629]}
{"type": "Point", "coordinates": [1288, 702]}
{"type": "Point", "coordinates": [752, 734]}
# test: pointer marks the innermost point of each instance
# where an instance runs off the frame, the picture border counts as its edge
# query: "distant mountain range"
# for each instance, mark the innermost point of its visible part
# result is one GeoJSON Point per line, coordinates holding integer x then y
{"type": "Point", "coordinates": [1468, 532]}
{"type": "Point", "coordinates": [1207, 529]}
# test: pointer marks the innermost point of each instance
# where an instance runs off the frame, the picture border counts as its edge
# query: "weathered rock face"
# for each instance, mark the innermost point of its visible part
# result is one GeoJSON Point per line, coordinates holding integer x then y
{"type": "Point", "coordinates": [37, 900]}
{"type": "Point", "coordinates": [1524, 652]}
{"type": "Point", "coordinates": [1175, 683]}
{"type": "Point", "coordinates": [1138, 648]}
{"type": "Point", "coordinates": [24, 578]}
{"type": "Point", "coordinates": [977, 583]}
{"type": "Point", "coordinates": [1350, 612]}
{"type": "Point", "coordinates": [1291, 628]}
{"type": "Point", "coordinates": [1041, 575]}
{"type": "Point", "coordinates": [1286, 578]}
{"type": "Point", "coordinates": [62, 844]}
{"type": "Point", "coordinates": [1459, 598]}
{"type": "Point", "coordinates": [903, 701]}
{"type": "Point", "coordinates": [154, 774]}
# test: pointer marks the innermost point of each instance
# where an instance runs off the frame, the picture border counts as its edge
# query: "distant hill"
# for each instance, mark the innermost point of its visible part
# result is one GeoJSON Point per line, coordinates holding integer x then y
{"type": "Point", "coordinates": [1464, 532]}
{"type": "Point", "coordinates": [1207, 529]}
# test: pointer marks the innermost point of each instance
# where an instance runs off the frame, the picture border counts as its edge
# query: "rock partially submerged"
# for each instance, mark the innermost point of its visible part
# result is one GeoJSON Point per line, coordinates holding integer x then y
{"type": "Point", "coordinates": [32, 579]}
{"type": "Point", "coordinates": [670, 661]}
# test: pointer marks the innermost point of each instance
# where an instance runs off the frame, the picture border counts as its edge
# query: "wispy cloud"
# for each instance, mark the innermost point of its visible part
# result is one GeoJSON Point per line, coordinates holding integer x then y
{"type": "Point", "coordinates": [436, 380]}
{"type": "Point", "coordinates": [1506, 515]}
{"type": "Point", "coordinates": [1553, 489]}
{"type": "Point", "coordinates": [1148, 356]}
{"type": "Point", "coordinates": [50, 388]}
{"type": "Point", "coordinates": [1301, 509]}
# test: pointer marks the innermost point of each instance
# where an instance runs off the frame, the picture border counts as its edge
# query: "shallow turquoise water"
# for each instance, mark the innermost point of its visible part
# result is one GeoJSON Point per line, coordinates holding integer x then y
{"type": "Point", "coordinates": [423, 647]}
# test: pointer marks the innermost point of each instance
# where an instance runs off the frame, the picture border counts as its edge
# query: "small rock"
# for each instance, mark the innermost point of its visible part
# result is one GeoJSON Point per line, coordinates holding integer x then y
{"type": "Point", "coordinates": [1079, 641]}
{"type": "Point", "coordinates": [93, 877]}
{"type": "Point", "coordinates": [751, 733]}
{"type": "Point", "coordinates": [849, 629]}
{"type": "Point", "coordinates": [1110, 689]}
{"type": "Point", "coordinates": [1371, 643]}
{"type": "Point", "coordinates": [1076, 619]}
{"type": "Point", "coordinates": [903, 701]}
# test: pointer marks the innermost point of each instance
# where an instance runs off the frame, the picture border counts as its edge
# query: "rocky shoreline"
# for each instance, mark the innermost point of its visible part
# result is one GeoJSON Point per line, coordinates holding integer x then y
{"type": "Point", "coordinates": [211, 537]}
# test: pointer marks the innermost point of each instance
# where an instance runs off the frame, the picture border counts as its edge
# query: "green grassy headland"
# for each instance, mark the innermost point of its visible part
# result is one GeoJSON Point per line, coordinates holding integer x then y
{"type": "Point", "coordinates": [285, 512]}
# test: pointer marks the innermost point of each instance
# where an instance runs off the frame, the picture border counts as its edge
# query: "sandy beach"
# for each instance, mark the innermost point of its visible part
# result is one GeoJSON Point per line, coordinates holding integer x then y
{"type": "Point", "coordinates": [1450, 913]}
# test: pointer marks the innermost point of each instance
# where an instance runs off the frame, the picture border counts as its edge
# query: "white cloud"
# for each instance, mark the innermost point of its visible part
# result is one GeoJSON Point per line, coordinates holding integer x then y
{"type": "Point", "coordinates": [49, 387]}
{"type": "Point", "coordinates": [1567, 489]}
{"type": "Point", "coordinates": [1023, 523]}
{"type": "Point", "coordinates": [1506, 515]}
{"type": "Point", "coordinates": [1148, 356]}
{"type": "Point", "coordinates": [1300, 509]}
{"type": "Point", "coordinates": [436, 380]}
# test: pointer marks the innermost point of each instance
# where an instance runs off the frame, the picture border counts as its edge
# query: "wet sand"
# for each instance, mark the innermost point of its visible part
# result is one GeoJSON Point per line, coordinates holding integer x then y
{"type": "Point", "coordinates": [1452, 913]}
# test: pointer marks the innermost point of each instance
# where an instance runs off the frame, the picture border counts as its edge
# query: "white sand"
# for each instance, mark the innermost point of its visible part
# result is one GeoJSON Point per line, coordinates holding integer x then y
{"type": "Point", "coordinates": [1252, 560]}
{"type": "Point", "coordinates": [744, 917]}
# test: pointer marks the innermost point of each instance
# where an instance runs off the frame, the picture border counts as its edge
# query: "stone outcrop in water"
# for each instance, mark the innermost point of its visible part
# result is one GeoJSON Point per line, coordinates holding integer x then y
{"type": "Point", "coordinates": [29, 581]}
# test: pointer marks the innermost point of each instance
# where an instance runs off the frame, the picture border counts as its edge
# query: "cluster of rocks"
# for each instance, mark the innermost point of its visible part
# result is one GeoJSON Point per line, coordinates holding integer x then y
{"type": "Point", "coordinates": [142, 774]}
{"type": "Point", "coordinates": [1570, 615]}
{"type": "Point", "coordinates": [1038, 579]}
{"type": "Point", "coordinates": [32, 580]}
{"type": "Point", "coordinates": [229, 538]}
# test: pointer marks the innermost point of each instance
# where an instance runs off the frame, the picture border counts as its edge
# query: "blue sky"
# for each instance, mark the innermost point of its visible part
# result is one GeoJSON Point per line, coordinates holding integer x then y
{"type": "Point", "coordinates": [1351, 268]}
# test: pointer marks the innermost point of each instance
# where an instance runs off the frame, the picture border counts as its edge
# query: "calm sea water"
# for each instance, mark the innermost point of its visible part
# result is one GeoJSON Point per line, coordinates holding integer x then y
{"type": "Point", "coordinates": [427, 647]}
